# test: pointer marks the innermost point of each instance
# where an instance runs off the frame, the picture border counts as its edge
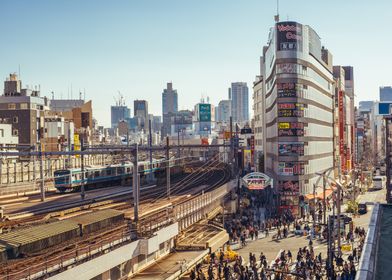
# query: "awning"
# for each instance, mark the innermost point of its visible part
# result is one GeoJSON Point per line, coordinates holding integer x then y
{"type": "Point", "coordinates": [320, 195]}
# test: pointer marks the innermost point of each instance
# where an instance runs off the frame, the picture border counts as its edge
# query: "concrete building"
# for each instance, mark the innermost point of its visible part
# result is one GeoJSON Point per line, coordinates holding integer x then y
{"type": "Point", "coordinates": [182, 122]}
{"type": "Point", "coordinates": [22, 108]}
{"type": "Point", "coordinates": [140, 109]}
{"type": "Point", "coordinates": [365, 106]}
{"type": "Point", "coordinates": [156, 123]}
{"type": "Point", "coordinates": [223, 111]}
{"type": "Point", "coordinates": [80, 113]}
{"type": "Point", "coordinates": [119, 113]}
{"type": "Point", "coordinates": [63, 105]}
{"type": "Point", "coordinates": [258, 109]}
{"type": "Point", "coordinates": [6, 137]}
{"type": "Point", "coordinates": [296, 92]}
{"type": "Point", "coordinates": [169, 100]}
{"type": "Point", "coordinates": [344, 120]}
{"type": "Point", "coordinates": [385, 94]}
{"type": "Point", "coordinates": [239, 102]}
{"type": "Point", "coordinates": [350, 115]}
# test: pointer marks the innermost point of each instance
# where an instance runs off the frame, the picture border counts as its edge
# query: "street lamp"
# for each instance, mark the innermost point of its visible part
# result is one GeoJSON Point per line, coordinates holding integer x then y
{"type": "Point", "coordinates": [338, 206]}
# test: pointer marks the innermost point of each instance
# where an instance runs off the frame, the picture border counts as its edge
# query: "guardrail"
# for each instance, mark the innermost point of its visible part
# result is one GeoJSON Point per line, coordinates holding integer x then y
{"type": "Point", "coordinates": [367, 263]}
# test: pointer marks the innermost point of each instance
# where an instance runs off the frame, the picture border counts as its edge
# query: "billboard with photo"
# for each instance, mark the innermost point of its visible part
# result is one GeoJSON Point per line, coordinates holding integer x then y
{"type": "Point", "coordinates": [291, 148]}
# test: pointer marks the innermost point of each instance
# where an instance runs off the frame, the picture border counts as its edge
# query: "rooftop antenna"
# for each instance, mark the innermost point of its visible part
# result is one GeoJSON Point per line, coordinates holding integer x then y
{"type": "Point", "coordinates": [277, 11]}
{"type": "Point", "coordinates": [52, 94]}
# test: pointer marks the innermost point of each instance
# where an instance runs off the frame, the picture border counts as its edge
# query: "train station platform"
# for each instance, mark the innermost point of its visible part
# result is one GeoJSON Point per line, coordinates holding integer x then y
{"type": "Point", "coordinates": [172, 266]}
{"type": "Point", "coordinates": [192, 246]}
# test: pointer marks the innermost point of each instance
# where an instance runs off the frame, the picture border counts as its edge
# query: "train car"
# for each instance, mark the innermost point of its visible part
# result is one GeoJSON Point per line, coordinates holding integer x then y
{"type": "Point", "coordinates": [71, 179]}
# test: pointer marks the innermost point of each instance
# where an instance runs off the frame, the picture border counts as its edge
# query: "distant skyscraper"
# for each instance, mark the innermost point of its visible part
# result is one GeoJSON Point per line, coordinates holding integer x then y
{"type": "Point", "coordinates": [223, 111]}
{"type": "Point", "coordinates": [141, 111]}
{"type": "Point", "coordinates": [386, 93]}
{"type": "Point", "coordinates": [169, 100]}
{"type": "Point", "coordinates": [239, 102]}
{"type": "Point", "coordinates": [119, 113]}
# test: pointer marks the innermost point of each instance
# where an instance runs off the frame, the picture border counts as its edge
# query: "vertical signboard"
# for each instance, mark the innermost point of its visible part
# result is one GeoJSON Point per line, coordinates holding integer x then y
{"type": "Point", "coordinates": [289, 36]}
{"type": "Point", "coordinates": [204, 112]}
{"type": "Point", "coordinates": [341, 130]}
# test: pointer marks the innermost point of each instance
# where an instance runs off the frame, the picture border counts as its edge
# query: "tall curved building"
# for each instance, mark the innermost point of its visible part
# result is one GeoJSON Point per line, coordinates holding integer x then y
{"type": "Point", "coordinates": [293, 109]}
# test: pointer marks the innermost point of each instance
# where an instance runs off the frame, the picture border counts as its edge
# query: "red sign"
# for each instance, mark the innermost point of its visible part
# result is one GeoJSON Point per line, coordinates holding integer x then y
{"type": "Point", "coordinates": [341, 130]}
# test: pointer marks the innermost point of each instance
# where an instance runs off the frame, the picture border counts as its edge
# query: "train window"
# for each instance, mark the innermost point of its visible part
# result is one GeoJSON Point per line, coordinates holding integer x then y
{"type": "Point", "coordinates": [108, 171]}
{"type": "Point", "coordinates": [120, 170]}
{"type": "Point", "coordinates": [128, 170]}
{"type": "Point", "coordinates": [96, 174]}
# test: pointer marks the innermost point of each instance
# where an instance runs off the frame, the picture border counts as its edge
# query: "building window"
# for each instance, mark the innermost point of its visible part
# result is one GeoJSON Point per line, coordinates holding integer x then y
{"type": "Point", "coordinates": [1, 132]}
{"type": "Point", "coordinates": [24, 106]}
{"type": "Point", "coordinates": [15, 132]}
{"type": "Point", "coordinates": [11, 106]}
{"type": "Point", "coordinates": [15, 119]}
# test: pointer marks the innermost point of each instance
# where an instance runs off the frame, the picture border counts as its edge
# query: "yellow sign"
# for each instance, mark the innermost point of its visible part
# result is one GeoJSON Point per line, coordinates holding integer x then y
{"type": "Point", "coordinates": [76, 144]}
{"type": "Point", "coordinates": [346, 248]}
{"type": "Point", "coordinates": [284, 125]}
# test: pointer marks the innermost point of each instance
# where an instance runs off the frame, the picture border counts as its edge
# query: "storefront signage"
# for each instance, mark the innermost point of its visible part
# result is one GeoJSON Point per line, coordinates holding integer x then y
{"type": "Point", "coordinates": [290, 110]}
{"type": "Point", "coordinates": [291, 168]}
{"type": "Point", "coordinates": [288, 187]}
{"type": "Point", "coordinates": [287, 90]}
{"type": "Point", "coordinates": [290, 129]}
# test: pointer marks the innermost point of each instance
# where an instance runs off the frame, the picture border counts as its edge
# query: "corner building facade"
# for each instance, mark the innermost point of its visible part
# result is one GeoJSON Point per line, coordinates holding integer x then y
{"type": "Point", "coordinates": [297, 111]}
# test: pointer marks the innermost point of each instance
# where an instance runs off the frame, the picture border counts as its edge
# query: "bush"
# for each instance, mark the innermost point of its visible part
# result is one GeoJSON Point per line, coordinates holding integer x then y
{"type": "Point", "coordinates": [352, 207]}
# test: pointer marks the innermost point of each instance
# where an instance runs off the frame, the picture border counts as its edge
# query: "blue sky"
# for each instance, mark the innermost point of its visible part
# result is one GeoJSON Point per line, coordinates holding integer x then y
{"type": "Point", "coordinates": [135, 47]}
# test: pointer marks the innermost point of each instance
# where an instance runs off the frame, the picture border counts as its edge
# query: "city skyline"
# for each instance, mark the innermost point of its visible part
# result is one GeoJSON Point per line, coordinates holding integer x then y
{"type": "Point", "coordinates": [92, 46]}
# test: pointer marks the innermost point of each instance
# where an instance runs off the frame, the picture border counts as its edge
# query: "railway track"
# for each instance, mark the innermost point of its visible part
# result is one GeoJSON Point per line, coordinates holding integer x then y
{"type": "Point", "coordinates": [217, 175]}
{"type": "Point", "coordinates": [148, 196]}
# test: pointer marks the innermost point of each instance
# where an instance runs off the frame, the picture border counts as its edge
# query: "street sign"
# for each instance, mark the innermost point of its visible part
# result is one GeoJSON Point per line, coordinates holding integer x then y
{"type": "Point", "coordinates": [257, 181]}
{"type": "Point", "coordinates": [346, 248]}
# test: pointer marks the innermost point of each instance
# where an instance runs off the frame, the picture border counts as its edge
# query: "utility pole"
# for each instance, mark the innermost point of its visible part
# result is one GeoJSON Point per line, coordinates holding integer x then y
{"type": "Point", "coordinates": [231, 143]}
{"type": "Point", "coordinates": [136, 186]}
{"type": "Point", "coordinates": [82, 190]}
{"type": "Point", "coordinates": [41, 172]}
{"type": "Point", "coordinates": [338, 214]}
{"type": "Point", "coordinates": [314, 206]}
{"type": "Point", "coordinates": [338, 203]}
{"type": "Point", "coordinates": [324, 202]}
{"type": "Point", "coordinates": [354, 191]}
{"type": "Point", "coordinates": [150, 146]}
{"type": "Point", "coordinates": [69, 145]}
{"type": "Point", "coordinates": [167, 168]}
{"type": "Point", "coordinates": [178, 143]}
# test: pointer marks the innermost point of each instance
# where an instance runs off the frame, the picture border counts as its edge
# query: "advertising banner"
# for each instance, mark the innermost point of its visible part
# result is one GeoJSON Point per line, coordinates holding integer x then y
{"type": "Point", "coordinates": [291, 168]}
{"type": "Point", "coordinates": [289, 36]}
{"type": "Point", "coordinates": [287, 90]}
{"type": "Point", "coordinates": [290, 129]}
{"type": "Point", "coordinates": [247, 158]}
{"type": "Point", "coordinates": [290, 110]}
{"type": "Point", "coordinates": [291, 148]}
{"type": "Point", "coordinates": [290, 187]}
